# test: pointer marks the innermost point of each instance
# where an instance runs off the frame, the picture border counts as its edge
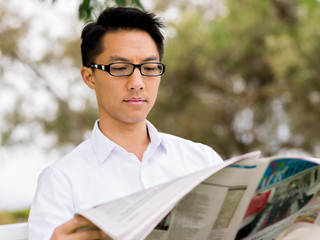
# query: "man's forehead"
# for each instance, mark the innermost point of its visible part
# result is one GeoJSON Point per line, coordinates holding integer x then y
{"type": "Point", "coordinates": [129, 45]}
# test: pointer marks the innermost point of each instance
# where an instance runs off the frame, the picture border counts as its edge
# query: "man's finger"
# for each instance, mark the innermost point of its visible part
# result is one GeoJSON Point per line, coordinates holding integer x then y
{"type": "Point", "coordinates": [78, 228]}
{"type": "Point", "coordinates": [89, 234]}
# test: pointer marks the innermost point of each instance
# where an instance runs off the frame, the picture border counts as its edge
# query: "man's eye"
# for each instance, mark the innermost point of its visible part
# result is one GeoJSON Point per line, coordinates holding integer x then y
{"type": "Point", "coordinates": [149, 68]}
{"type": "Point", "coordinates": [119, 68]}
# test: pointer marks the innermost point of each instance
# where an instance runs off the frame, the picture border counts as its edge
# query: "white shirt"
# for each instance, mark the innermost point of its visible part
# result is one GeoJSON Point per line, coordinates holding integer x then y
{"type": "Point", "coordinates": [98, 170]}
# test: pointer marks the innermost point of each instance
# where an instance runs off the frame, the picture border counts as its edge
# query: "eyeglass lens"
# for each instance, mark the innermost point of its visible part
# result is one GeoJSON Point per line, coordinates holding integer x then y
{"type": "Point", "coordinates": [151, 69]}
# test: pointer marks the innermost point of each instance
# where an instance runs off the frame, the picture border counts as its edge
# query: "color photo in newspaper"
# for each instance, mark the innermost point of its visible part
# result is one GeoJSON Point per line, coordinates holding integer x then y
{"type": "Point", "coordinates": [288, 185]}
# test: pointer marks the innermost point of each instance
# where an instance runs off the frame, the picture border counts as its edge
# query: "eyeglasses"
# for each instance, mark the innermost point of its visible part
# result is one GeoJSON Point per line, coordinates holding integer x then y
{"type": "Point", "coordinates": [122, 69]}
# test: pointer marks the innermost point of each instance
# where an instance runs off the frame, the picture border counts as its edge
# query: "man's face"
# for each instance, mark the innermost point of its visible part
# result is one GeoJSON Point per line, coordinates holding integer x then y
{"type": "Point", "coordinates": [126, 99]}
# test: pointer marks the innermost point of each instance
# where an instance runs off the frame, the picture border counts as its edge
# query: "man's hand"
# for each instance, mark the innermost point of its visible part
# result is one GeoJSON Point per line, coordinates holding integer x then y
{"type": "Point", "coordinates": [78, 228]}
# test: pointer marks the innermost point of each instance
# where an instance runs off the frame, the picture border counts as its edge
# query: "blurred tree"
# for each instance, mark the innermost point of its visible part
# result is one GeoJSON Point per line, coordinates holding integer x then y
{"type": "Point", "coordinates": [88, 8]}
{"type": "Point", "coordinates": [41, 103]}
{"type": "Point", "coordinates": [65, 112]}
{"type": "Point", "coordinates": [7, 217]}
{"type": "Point", "coordinates": [245, 81]}
{"type": "Point", "coordinates": [240, 77]}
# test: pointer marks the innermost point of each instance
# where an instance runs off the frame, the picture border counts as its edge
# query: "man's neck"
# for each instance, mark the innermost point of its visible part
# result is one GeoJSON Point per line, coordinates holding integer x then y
{"type": "Point", "coordinates": [134, 138]}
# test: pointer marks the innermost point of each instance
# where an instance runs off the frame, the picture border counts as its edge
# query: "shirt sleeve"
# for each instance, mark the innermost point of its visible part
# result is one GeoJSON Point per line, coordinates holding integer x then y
{"type": "Point", "coordinates": [215, 157]}
{"type": "Point", "coordinates": [52, 204]}
{"type": "Point", "coordinates": [206, 157]}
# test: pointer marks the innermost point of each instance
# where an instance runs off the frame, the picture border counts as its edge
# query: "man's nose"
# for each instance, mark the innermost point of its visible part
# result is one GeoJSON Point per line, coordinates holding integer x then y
{"type": "Point", "coordinates": [135, 80]}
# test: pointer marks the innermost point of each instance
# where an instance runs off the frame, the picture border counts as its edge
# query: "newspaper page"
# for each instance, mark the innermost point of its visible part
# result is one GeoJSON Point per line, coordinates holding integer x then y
{"type": "Point", "coordinates": [209, 210]}
{"type": "Point", "coordinates": [251, 199]}
{"type": "Point", "coordinates": [288, 192]}
{"type": "Point", "coordinates": [135, 216]}
{"type": "Point", "coordinates": [305, 223]}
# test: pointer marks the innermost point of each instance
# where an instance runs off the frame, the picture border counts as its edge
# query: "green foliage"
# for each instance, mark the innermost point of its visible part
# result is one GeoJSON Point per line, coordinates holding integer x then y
{"type": "Point", "coordinates": [246, 81]}
{"type": "Point", "coordinates": [70, 125]}
{"type": "Point", "coordinates": [21, 215]}
{"type": "Point", "coordinates": [9, 217]}
{"type": "Point", "coordinates": [65, 123]}
{"type": "Point", "coordinates": [88, 7]}
{"type": "Point", "coordinates": [85, 10]}
{"type": "Point", "coordinates": [243, 81]}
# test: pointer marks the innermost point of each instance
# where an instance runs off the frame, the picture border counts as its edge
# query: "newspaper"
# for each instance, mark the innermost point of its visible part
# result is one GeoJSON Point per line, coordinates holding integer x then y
{"type": "Point", "coordinates": [246, 197]}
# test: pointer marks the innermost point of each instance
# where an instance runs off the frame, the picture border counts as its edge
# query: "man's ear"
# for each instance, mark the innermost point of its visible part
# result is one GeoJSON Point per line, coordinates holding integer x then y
{"type": "Point", "coordinates": [87, 76]}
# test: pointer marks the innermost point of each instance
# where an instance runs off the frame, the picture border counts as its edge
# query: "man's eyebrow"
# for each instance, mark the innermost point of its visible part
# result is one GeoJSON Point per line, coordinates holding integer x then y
{"type": "Point", "coordinates": [151, 58]}
{"type": "Point", "coordinates": [122, 59]}
{"type": "Point", "coordinates": [118, 58]}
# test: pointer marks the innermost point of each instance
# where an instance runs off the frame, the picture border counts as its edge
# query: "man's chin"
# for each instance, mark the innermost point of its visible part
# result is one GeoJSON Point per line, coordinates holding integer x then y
{"type": "Point", "coordinates": [135, 121]}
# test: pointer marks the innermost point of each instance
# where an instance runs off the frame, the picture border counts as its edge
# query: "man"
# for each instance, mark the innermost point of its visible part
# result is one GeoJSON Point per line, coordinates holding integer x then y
{"type": "Point", "coordinates": [121, 55]}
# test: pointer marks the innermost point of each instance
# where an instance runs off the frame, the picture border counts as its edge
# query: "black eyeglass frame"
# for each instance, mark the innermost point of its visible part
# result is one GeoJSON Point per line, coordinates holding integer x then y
{"type": "Point", "coordinates": [106, 68]}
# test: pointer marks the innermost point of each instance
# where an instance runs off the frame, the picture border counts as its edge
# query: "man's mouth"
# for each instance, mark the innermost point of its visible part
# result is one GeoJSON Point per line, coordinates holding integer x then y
{"type": "Point", "coordinates": [135, 101]}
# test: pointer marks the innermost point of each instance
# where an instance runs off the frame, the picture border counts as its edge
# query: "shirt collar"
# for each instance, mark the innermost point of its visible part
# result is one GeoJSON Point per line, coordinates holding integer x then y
{"type": "Point", "coordinates": [155, 137]}
{"type": "Point", "coordinates": [103, 146]}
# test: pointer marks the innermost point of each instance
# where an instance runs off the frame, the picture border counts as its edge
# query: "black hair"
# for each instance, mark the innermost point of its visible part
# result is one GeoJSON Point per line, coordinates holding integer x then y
{"type": "Point", "coordinates": [113, 19]}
